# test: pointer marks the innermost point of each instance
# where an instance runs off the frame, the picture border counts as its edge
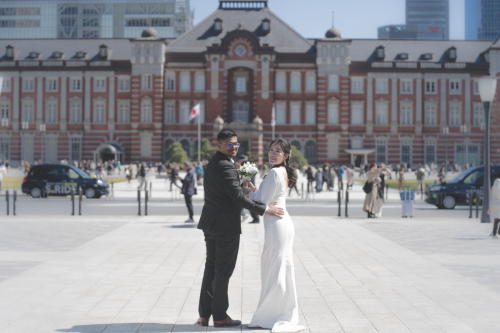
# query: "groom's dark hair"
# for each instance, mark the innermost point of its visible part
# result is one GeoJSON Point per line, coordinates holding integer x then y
{"type": "Point", "coordinates": [225, 134]}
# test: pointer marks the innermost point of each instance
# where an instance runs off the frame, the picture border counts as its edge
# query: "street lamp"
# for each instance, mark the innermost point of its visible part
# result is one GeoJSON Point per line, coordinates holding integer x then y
{"type": "Point", "coordinates": [463, 130]}
{"type": "Point", "coordinates": [487, 89]}
{"type": "Point", "coordinates": [42, 129]}
{"type": "Point", "coordinates": [446, 131]}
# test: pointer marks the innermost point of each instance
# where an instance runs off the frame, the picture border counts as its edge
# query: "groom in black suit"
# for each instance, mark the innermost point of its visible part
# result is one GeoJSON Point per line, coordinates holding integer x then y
{"type": "Point", "coordinates": [221, 223]}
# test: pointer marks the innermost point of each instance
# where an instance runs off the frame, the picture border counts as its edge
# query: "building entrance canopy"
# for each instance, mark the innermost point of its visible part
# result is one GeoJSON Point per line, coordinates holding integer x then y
{"type": "Point", "coordinates": [359, 156]}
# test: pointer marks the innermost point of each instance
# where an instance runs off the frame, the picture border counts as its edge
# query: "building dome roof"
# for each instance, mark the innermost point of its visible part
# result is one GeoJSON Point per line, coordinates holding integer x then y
{"type": "Point", "coordinates": [149, 33]}
{"type": "Point", "coordinates": [333, 33]}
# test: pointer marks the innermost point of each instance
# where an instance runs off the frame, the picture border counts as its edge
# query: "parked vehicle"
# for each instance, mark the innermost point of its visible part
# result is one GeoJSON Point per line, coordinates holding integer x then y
{"type": "Point", "coordinates": [448, 194]}
{"type": "Point", "coordinates": [57, 179]}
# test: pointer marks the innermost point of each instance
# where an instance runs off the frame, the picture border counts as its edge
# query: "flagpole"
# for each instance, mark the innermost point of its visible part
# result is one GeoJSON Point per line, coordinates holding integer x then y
{"type": "Point", "coordinates": [273, 121]}
{"type": "Point", "coordinates": [199, 136]}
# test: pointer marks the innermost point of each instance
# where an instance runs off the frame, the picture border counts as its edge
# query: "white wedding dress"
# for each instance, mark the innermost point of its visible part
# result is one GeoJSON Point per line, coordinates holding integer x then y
{"type": "Point", "coordinates": [278, 307]}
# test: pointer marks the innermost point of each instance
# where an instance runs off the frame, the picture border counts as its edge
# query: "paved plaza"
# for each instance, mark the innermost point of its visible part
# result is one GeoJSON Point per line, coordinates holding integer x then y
{"type": "Point", "coordinates": [143, 274]}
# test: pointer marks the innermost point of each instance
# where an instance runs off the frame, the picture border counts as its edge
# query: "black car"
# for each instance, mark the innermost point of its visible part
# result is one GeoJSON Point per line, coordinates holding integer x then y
{"type": "Point", "coordinates": [57, 179]}
{"type": "Point", "coordinates": [447, 195]}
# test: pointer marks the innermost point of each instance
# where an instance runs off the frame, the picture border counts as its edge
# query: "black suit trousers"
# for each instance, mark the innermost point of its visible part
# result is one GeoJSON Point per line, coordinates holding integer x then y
{"type": "Point", "coordinates": [222, 252]}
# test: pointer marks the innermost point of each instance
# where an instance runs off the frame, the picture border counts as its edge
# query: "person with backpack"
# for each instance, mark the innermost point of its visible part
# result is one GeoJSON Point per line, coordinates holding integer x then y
{"type": "Point", "coordinates": [371, 190]}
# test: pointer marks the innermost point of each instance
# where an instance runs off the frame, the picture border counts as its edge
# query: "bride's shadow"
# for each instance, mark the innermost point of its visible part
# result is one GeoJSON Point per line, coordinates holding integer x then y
{"type": "Point", "coordinates": [136, 327]}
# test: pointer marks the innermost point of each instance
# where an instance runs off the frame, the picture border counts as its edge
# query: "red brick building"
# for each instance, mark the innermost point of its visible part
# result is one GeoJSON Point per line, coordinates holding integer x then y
{"type": "Point", "coordinates": [337, 100]}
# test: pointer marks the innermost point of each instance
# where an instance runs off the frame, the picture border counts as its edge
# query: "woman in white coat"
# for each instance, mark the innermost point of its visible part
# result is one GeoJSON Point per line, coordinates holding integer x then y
{"type": "Point", "coordinates": [494, 210]}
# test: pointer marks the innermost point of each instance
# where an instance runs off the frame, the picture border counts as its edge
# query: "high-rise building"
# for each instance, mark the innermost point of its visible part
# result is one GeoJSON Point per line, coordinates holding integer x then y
{"type": "Point", "coordinates": [425, 19]}
{"type": "Point", "coordinates": [30, 19]}
{"type": "Point", "coordinates": [481, 19]}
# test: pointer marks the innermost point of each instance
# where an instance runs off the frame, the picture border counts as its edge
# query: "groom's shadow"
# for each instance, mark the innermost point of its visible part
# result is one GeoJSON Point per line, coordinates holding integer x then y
{"type": "Point", "coordinates": [145, 328]}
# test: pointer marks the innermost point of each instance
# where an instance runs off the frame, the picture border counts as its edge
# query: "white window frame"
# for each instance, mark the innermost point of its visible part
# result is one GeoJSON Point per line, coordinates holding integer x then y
{"type": "Point", "coordinates": [296, 82]}
{"type": "Point", "coordinates": [51, 111]}
{"type": "Point", "coordinates": [333, 111]}
{"type": "Point", "coordinates": [170, 81]}
{"type": "Point", "coordinates": [478, 114]}
{"type": "Point", "coordinates": [28, 110]}
{"type": "Point", "coordinates": [455, 87]}
{"type": "Point", "coordinates": [406, 113]}
{"type": "Point", "coordinates": [406, 86]}
{"type": "Point", "coordinates": [357, 85]}
{"type": "Point", "coordinates": [170, 112]}
{"type": "Point", "coordinates": [295, 113]}
{"type": "Point", "coordinates": [123, 84]}
{"type": "Point", "coordinates": [75, 106]}
{"type": "Point", "coordinates": [427, 108]}
{"type": "Point", "coordinates": [475, 87]}
{"type": "Point", "coordinates": [310, 112]}
{"type": "Point", "coordinates": [146, 110]}
{"type": "Point", "coordinates": [281, 113]}
{"type": "Point", "coordinates": [280, 81]}
{"type": "Point", "coordinates": [357, 107]}
{"type": "Point", "coordinates": [7, 84]}
{"type": "Point", "coordinates": [28, 84]}
{"type": "Point", "coordinates": [99, 84]}
{"type": "Point", "coordinates": [455, 116]}
{"type": "Point", "coordinates": [406, 142]}
{"type": "Point", "coordinates": [99, 111]}
{"type": "Point", "coordinates": [333, 82]}
{"type": "Point", "coordinates": [185, 81]}
{"type": "Point", "coordinates": [310, 82]}
{"type": "Point", "coordinates": [381, 86]}
{"type": "Point", "coordinates": [75, 84]}
{"type": "Point", "coordinates": [382, 113]}
{"type": "Point", "coordinates": [75, 155]}
{"type": "Point", "coordinates": [123, 115]}
{"type": "Point", "coordinates": [5, 108]}
{"type": "Point", "coordinates": [199, 81]}
{"type": "Point", "coordinates": [379, 142]}
{"type": "Point", "coordinates": [430, 143]}
{"type": "Point", "coordinates": [147, 82]}
{"type": "Point", "coordinates": [52, 84]}
{"type": "Point", "coordinates": [241, 85]}
{"type": "Point", "coordinates": [430, 87]}
{"type": "Point", "coordinates": [184, 110]}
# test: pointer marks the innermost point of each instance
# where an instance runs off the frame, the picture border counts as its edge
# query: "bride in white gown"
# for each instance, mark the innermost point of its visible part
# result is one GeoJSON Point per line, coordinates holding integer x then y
{"type": "Point", "coordinates": [278, 307]}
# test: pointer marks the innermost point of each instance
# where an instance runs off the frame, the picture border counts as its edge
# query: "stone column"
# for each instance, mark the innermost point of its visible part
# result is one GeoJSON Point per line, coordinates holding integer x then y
{"type": "Point", "coordinates": [468, 103]}
{"type": "Point", "coordinates": [394, 105]}
{"type": "Point", "coordinates": [64, 102]}
{"type": "Point", "coordinates": [39, 101]}
{"type": "Point", "coordinates": [369, 105]}
{"type": "Point", "coordinates": [15, 105]}
{"type": "Point", "coordinates": [111, 103]}
{"type": "Point", "coordinates": [418, 107]}
{"type": "Point", "coordinates": [86, 102]}
{"type": "Point", "coordinates": [443, 107]}
{"type": "Point", "coordinates": [214, 77]}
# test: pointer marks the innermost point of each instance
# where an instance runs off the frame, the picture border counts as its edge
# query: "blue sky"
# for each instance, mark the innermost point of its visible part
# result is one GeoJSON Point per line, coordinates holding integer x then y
{"type": "Point", "coordinates": [354, 18]}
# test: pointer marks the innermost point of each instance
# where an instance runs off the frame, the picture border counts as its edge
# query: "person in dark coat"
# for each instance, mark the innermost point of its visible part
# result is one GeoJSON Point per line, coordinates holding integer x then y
{"type": "Point", "coordinates": [188, 188]}
{"type": "Point", "coordinates": [221, 224]}
{"type": "Point", "coordinates": [326, 177]}
{"type": "Point", "coordinates": [310, 179]}
{"type": "Point", "coordinates": [173, 176]}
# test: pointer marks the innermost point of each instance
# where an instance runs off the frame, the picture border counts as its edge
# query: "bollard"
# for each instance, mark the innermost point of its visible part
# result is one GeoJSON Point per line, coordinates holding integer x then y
{"type": "Point", "coordinates": [150, 189]}
{"type": "Point", "coordinates": [387, 191]}
{"type": "Point", "coordinates": [340, 204]}
{"type": "Point", "coordinates": [14, 203]}
{"type": "Point", "coordinates": [346, 202]}
{"type": "Point", "coordinates": [146, 201]}
{"type": "Point", "coordinates": [139, 201]}
{"type": "Point", "coordinates": [302, 188]}
{"type": "Point", "coordinates": [80, 200]}
{"type": "Point", "coordinates": [72, 201]}
{"type": "Point", "coordinates": [7, 199]}
{"type": "Point", "coordinates": [470, 203]}
{"type": "Point", "coordinates": [477, 204]}
{"type": "Point", "coordinates": [113, 190]}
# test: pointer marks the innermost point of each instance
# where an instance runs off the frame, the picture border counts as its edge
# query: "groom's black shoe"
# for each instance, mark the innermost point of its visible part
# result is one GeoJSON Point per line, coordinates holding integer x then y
{"type": "Point", "coordinates": [255, 221]}
{"type": "Point", "coordinates": [202, 321]}
{"type": "Point", "coordinates": [226, 322]}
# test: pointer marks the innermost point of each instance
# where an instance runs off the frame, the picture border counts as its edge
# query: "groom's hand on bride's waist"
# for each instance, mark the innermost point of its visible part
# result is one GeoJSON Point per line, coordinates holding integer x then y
{"type": "Point", "coordinates": [272, 210]}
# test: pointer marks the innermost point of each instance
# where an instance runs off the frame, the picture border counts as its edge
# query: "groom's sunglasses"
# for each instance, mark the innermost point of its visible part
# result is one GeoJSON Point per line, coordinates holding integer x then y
{"type": "Point", "coordinates": [233, 145]}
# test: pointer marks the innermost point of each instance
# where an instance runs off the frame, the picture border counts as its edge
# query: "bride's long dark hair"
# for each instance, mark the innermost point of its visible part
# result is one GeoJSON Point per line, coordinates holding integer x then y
{"type": "Point", "coordinates": [285, 146]}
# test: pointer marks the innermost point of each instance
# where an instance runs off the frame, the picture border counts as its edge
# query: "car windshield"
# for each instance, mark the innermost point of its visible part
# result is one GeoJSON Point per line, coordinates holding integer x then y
{"type": "Point", "coordinates": [81, 173]}
{"type": "Point", "coordinates": [460, 177]}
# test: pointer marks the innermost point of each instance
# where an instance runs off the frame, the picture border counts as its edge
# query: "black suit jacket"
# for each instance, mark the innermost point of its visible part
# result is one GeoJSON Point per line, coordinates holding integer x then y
{"type": "Point", "coordinates": [224, 198]}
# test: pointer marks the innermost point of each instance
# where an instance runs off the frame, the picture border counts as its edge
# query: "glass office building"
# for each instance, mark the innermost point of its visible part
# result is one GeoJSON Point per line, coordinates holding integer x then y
{"type": "Point", "coordinates": [482, 19]}
{"type": "Point", "coordinates": [430, 15]}
{"type": "Point", "coordinates": [29, 19]}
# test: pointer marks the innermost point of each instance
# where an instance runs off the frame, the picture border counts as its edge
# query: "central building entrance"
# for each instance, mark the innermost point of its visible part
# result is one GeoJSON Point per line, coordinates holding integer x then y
{"type": "Point", "coordinates": [240, 94]}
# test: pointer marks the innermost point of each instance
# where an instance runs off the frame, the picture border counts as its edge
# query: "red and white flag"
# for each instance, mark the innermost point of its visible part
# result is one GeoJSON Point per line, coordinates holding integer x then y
{"type": "Point", "coordinates": [273, 117]}
{"type": "Point", "coordinates": [195, 112]}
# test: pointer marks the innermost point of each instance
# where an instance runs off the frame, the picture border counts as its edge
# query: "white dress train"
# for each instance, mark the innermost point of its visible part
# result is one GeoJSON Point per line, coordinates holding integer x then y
{"type": "Point", "coordinates": [278, 307]}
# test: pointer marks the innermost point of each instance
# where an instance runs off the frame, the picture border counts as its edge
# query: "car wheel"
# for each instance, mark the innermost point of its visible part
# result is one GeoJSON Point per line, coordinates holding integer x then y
{"type": "Point", "coordinates": [449, 202]}
{"type": "Point", "coordinates": [89, 193]}
{"type": "Point", "coordinates": [35, 192]}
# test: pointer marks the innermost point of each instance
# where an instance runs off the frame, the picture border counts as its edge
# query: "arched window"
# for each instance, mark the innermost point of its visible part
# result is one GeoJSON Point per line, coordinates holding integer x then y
{"type": "Point", "coordinates": [296, 144]}
{"type": "Point", "coordinates": [168, 143]}
{"type": "Point", "coordinates": [310, 152]}
{"type": "Point", "coordinates": [185, 146]}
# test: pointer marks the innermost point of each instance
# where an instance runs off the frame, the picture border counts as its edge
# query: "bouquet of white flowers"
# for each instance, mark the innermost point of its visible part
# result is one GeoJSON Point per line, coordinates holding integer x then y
{"type": "Point", "coordinates": [248, 170]}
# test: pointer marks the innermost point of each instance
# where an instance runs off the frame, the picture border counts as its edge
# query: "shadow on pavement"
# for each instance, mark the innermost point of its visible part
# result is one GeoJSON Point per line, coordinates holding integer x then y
{"type": "Point", "coordinates": [137, 327]}
{"type": "Point", "coordinates": [195, 225]}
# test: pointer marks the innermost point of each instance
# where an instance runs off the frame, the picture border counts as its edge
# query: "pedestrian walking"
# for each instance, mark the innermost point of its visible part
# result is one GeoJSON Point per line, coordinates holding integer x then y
{"type": "Point", "coordinates": [128, 173]}
{"type": "Point", "coordinates": [296, 173]}
{"type": "Point", "coordinates": [340, 175]}
{"type": "Point", "coordinates": [310, 179]}
{"type": "Point", "coordinates": [361, 170]}
{"type": "Point", "coordinates": [370, 198]}
{"type": "Point", "coordinates": [401, 182]}
{"type": "Point", "coordinates": [385, 171]}
{"type": "Point", "coordinates": [420, 173]}
{"type": "Point", "coordinates": [442, 174]}
{"type": "Point", "coordinates": [350, 176]}
{"type": "Point", "coordinates": [494, 210]}
{"type": "Point", "coordinates": [188, 188]}
{"type": "Point", "coordinates": [326, 177]}
{"type": "Point", "coordinates": [319, 180]}
{"type": "Point", "coordinates": [199, 170]}
{"type": "Point", "coordinates": [173, 176]}
{"type": "Point", "coordinates": [141, 176]}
